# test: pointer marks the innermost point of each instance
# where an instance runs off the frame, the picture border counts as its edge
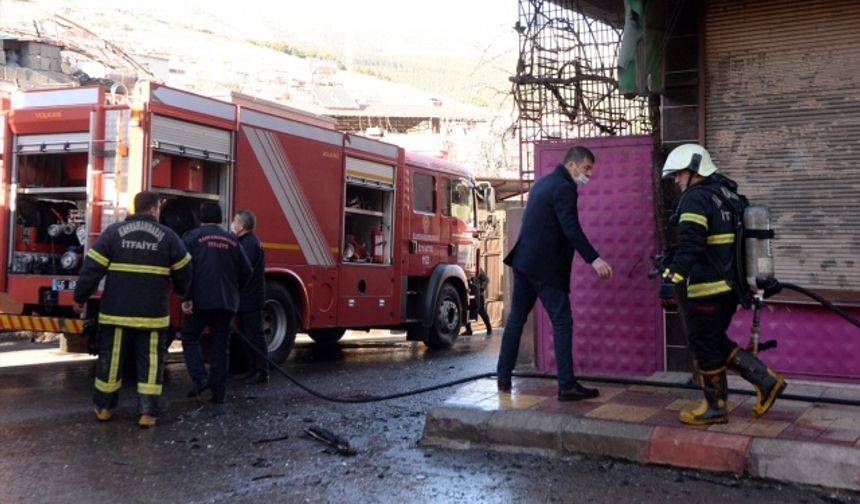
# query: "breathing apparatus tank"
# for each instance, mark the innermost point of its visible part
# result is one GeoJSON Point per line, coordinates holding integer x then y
{"type": "Point", "coordinates": [758, 247]}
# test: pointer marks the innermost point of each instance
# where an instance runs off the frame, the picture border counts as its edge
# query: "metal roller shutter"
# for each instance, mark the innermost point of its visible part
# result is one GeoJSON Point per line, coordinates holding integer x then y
{"type": "Point", "coordinates": [783, 119]}
{"type": "Point", "coordinates": [52, 143]}
{"type": "Point", "coordinates": [368, 173]}
{"type": "Point", "coordinates": [191, 140]}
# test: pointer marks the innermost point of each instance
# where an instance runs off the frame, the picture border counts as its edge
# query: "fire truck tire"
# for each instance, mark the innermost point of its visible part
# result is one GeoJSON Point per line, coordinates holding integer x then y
{"type": "Point", "coordinates": [327, 336]}
{"type": "Point", "coordinates": [447, 318]}
{"type": "Point", "coordinates": [279, 321]}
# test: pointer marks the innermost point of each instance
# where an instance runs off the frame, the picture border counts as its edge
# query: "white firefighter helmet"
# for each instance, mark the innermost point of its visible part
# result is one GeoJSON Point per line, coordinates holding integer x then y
{"type": "Point", "coordinates": [691, 157]}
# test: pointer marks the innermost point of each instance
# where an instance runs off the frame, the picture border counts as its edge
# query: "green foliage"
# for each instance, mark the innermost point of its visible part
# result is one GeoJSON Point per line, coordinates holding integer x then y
{"type": "Point", "coordinates": [299, 52]}
{"type": "Point", "coordinates": [464, 79]}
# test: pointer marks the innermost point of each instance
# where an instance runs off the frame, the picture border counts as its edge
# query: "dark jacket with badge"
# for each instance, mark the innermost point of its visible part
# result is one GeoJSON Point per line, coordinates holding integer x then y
{"type": "Point", "coordinates": [139, 259]}
{"type": "Point", "coordinates": [551, 232]}
{"type": "Point", "coordinates": [221, 269]}
{"type": "Point", "coordinates": [253, 296]}
{"type": "Point", "coordinates": [706, 237]}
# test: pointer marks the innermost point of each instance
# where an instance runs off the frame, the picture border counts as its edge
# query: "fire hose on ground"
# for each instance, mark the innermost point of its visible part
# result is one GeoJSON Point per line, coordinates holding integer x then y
{"type": "Point", "coordinates": [594, 379]}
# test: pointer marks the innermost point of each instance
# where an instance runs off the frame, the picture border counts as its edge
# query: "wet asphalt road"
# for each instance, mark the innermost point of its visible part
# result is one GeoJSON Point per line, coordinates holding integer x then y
{"type": "Point", "coordinates": [254, 449]}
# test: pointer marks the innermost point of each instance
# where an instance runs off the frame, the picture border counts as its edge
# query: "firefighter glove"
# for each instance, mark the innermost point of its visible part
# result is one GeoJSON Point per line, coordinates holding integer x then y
{"type": "Point", "coordinates": [667, 294]}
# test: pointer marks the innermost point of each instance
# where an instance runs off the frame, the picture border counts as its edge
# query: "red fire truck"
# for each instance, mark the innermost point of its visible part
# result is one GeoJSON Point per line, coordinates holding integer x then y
{"type": "Point", "coordinates": [358, 234]}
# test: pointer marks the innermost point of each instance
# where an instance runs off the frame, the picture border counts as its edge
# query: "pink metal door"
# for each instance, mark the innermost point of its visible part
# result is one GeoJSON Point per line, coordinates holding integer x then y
{"type": "Point", "coordinates": [618, 324]}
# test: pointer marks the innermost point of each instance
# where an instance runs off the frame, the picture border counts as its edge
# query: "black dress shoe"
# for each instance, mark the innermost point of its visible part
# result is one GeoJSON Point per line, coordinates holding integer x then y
{"type": "Point", "coordinates": [196, 391]}
{"type": "Point", "coordinates": [577, 393]}
{"type": "Point", "coordinates": [256, 379]}
{"type": "Point", "coordinates": [504, 384]}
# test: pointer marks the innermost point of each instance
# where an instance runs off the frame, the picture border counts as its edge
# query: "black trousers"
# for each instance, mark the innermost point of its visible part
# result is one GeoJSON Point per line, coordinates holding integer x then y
{"type": "Point", "coordinates": [218, 322]}
{"type": "Point", "coordinates": [149, 348]}
{"type": "Point", "coordinates": [250, 325]}
{"type": "Point", "coordinates": [708, 320]}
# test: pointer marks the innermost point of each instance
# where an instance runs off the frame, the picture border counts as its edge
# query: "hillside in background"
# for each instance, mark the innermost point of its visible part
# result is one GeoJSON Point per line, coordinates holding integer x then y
{"type": "Point", "coordinates": [270, 50]}
{"type": "Point", "coordinates": [439, 51]}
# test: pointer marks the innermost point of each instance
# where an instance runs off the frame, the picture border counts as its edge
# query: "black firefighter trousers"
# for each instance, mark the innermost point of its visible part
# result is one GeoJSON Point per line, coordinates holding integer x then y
{"type": "Point", "coordinates": [708, 320]}
{"type": "Point", "coordinates": [150, 346]}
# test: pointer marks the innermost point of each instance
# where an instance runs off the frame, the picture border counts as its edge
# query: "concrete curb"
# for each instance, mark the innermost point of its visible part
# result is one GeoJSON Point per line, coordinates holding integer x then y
{"type": "Point", "coordinates": [803, 462]}
{"type": "Point", "coordinates": [545, 433]}
{"type": "Point", "coordinates": [606, 438]}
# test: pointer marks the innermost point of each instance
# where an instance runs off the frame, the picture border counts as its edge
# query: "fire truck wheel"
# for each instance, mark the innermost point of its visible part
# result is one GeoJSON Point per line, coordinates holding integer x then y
{"type": "Point", "coordinates": [447, 318]}
{"type": "Point", "coordinates": [327, 336]}
{"type": "Point", "coordinates": [279, 321]}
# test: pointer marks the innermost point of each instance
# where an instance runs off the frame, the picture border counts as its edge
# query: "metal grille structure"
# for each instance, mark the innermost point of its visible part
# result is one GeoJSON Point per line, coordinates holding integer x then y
{"type": "Point", "coordinates": [565, 84]}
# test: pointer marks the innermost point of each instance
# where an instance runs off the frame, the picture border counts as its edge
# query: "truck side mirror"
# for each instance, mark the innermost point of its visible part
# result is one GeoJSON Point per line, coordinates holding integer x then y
{"type": "Point", "coordinates": [489, 197]}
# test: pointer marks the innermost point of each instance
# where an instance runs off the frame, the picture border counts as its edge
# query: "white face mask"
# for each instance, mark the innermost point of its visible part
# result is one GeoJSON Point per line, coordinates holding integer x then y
{"type": "Point", "coordinates": [235, 228]}
{"type": "Point", "coordinates": [581, 180]}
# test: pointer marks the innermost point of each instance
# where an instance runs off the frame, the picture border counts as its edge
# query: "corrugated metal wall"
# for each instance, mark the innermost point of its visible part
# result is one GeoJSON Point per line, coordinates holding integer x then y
{"type": "Point", "coordinates": [783, 119]}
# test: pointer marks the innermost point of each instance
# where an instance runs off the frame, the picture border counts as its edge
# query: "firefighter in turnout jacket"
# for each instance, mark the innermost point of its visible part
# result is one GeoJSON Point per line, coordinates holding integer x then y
{"type": "Point", "coordinates": [705, 254]}
{"type": "Point", "coordinates": [139, 259]}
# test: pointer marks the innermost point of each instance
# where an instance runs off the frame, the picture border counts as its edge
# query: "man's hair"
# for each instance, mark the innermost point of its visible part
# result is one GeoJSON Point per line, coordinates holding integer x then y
{"type": "Point", "coordinates": [577, 153]}
{"type": "Point", "coordinates": [246, 218]}
{"type": "Point", "coordinates": [145, 201]}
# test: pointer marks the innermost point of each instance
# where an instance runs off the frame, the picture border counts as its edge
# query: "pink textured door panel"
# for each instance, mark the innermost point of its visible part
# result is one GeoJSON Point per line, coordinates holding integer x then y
{"type": "Point", "coordinates": [618, 326]}
{"type": "Point", "coordinates": [813, 342]}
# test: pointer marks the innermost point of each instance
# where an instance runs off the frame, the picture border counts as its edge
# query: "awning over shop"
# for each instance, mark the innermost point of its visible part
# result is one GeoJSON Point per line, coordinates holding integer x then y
{"type": "Point", "coordinates": [640, 58]}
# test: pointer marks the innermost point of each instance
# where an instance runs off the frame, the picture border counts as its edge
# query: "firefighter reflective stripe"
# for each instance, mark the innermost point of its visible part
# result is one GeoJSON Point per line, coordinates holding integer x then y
{"type": "Point", "coordinates": [672, 277]}
{"type": "Point", "coordinates": [95, 256]}
{"type": "Point", "coordinates": [707, 289]}
{"type": "Point", "coordinates": [136, 322]}
{"type": "Point", "coordinates": [139, 268]}
{"type": "Point", "coordinates": [721, 239]}
{"type": "Point", "coordinates": [151, 387]}
{"type": "Point", "coordinates": [181, 263]}
{"type": "Point", "coordinates": [50, 324]}
{"type": "Point", "coordinates": [696, 218]}
{"type": "Point", "coordinates": [113, 383]}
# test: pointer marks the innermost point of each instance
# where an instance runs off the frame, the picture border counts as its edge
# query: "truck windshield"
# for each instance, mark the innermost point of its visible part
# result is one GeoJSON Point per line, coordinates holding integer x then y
{"type": "Point", "coordinates": [462, 202]}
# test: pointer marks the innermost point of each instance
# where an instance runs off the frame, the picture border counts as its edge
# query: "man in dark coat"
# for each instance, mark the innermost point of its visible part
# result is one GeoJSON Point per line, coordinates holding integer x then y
{"type": "Point", "coordinates": [221, 271]}
{"type": "Point", "coordinates": [541, 260]}
{"type": "Point", "coordinates": [249, 319]}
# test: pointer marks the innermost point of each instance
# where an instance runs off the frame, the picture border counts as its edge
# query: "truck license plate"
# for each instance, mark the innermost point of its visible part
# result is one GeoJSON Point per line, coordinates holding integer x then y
{"type": "Point", "coordinates": [60, 284]}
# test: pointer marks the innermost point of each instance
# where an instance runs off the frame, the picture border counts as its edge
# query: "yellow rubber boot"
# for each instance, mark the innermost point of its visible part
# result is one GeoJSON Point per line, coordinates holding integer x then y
{"type": "Point", "coordinates": [713, 409]}
{"type": "Point", "coordinates": [768, 384]}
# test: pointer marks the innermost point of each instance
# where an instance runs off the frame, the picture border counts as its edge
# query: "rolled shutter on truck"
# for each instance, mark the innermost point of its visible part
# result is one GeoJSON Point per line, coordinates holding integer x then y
{"type": "Point", "coordinates": [54, 143]}
{"type": "Point", "coordinates": [369, 173]}
{"type": "Point", "coordinates": [188, 139]}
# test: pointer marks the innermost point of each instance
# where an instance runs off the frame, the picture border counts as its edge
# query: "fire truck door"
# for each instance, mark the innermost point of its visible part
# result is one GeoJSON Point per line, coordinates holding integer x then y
{"type": "Point", "coordinates": [426, 248]}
